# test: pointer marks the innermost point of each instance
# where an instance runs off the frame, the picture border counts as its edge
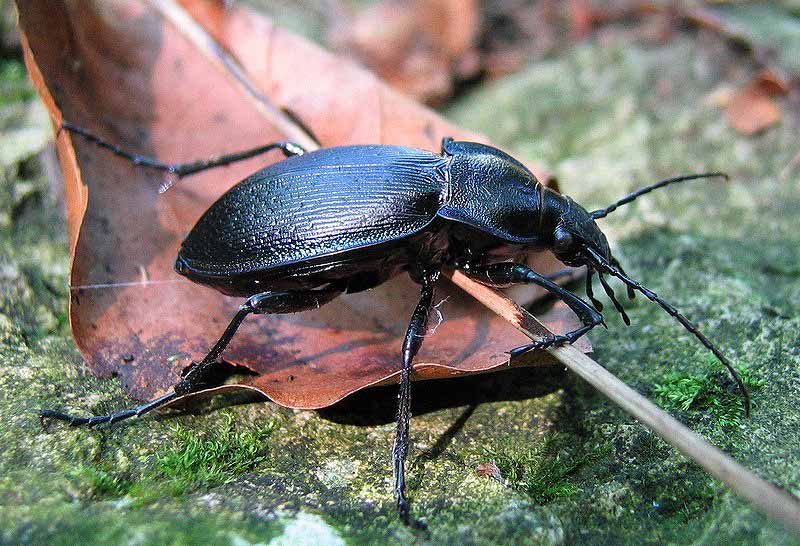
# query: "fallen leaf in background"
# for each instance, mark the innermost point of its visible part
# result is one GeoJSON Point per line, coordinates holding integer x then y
{"type": "Point", "coordinates": [421, 47]}
{"type": "Point", "coordinates": [123, 72]}
{"type": "Point", "coordinates": [754, 108]}
{"type": "Point", "coordinates": [428, 48]}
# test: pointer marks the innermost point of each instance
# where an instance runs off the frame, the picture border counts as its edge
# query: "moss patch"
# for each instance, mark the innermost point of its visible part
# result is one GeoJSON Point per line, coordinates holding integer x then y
{"type": "Point", "coordinates": [195, 460]}
{"type": "Point", "coordinates": [211, 457]}
{"type": "Point", "coordinates": [712, 392]}
{"type": "Point", "coordinates": [547, 471]}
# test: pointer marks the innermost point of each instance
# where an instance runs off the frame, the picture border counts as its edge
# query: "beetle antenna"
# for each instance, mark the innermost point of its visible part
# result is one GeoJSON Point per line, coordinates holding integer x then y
{"type": "Point", "coordinates": [603, 266]}
{"type": "Point", "coordinates": [601, 213]}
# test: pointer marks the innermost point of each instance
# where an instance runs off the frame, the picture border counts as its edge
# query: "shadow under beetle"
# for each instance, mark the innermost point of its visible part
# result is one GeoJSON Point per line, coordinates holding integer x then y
{"type": "Point", "coordinates": [300, 232]}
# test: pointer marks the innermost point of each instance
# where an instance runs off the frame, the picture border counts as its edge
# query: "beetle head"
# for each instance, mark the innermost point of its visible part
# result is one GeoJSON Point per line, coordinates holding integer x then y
{"type": "Point", "coordinates": [573, 230]}
{"type": "Point", "coordinates": [578, 241]}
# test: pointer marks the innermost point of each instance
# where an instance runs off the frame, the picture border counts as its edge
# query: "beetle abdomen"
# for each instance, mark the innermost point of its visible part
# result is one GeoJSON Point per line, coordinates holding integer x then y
{"type": "Point", "coordinates": [323, 202]}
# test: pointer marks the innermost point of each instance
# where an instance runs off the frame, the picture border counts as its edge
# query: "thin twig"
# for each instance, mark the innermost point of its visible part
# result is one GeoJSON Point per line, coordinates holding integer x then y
{"type": "Point", "coordinates": [228, 65]}
{"type": "Point", "coordinates": [772, 501]}
{"type": "Point", "coordinates": [765, 496]}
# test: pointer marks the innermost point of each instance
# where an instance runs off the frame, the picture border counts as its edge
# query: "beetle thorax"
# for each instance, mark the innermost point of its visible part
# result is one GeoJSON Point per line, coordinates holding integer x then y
{"type": "Point", "coordinates": [492, 192]}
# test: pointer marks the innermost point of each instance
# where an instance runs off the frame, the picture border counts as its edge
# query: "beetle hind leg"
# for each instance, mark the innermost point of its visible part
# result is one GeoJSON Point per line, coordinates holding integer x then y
{"type": "Point", "coordinates": [203, 375]}
{"type": "Point", "coordinates": [411, 344]}
{"type": "Point", "coordinates": [190, 167]}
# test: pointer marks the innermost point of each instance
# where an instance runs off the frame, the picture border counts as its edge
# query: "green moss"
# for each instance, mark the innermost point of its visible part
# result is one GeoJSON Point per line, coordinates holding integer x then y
{"type": "Point", "coordinates": [194, 460]}
{"type": "Point", "coordinates": [205, 458]}
{"type": "Point", "coordinates": [98, 482]}
{"type": "Point", "coordinates": [14, 83]}
{"type": "Point", "coordinates": [74, 523]}
{"type": "Point", "coordinates": [673, 501]}
{"type": "Point", "coordinates": [711, 391]}
{"type": "Point", "coordinates": [548, 470]}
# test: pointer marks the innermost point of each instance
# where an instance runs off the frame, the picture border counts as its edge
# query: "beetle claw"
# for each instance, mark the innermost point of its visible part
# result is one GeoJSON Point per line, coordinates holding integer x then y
{"type": "Point", "coordinates": [545, 343]}
{"type": "Point", "coordinates": [406, 518]}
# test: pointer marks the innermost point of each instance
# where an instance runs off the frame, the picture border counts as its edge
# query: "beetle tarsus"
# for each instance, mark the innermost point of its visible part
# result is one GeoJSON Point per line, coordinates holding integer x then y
{"type": "Point", "coordinates": [411, 344]}
{"type": "Point", "coordinates": [545, 343]}
{"type": "Point", "coordinates": [405, 514]}
{"type": "Point", "coordinates": [552, 341]}
{"type": "Point", "coordinates": [109, 418]}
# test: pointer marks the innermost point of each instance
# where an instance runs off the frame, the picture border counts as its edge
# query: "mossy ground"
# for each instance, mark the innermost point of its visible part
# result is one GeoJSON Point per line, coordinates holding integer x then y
{"type": "Point", "coordinates": [605, 116]}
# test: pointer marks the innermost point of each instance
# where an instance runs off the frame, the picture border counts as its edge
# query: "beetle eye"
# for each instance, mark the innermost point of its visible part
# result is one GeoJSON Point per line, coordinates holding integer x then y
{"type": "Point", "coordinates": [563, 240]}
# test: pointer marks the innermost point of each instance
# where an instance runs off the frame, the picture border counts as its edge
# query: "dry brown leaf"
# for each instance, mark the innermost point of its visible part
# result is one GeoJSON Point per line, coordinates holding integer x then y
{"type": "Point", "coordinates": [420, 48]}
{"type": "Point", "coordinates": [754, 108]}
{"type": "Point", "coordinates": [120, 70]}
{"type": "Point", "coordinates": [489, 470]}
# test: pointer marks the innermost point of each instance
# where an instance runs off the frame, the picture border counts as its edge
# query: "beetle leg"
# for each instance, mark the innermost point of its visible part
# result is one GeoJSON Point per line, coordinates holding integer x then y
{"type": "Point", "coordinates": [200, 375]}
{"type": "Point", "coordinates": [411, 344]}
{"type": "Point", "coordinates": [111, 417]}
{"type": "Point", "coordinates": [507, 274]}
{"type": "Point", "coordinates": [190, 167]}
{"type": "Point", "coordinates": [555, 275]}
{"type": "Point", "coordinates": [203, 375]}
{"type": "Point", "coordinates": [613, 297]}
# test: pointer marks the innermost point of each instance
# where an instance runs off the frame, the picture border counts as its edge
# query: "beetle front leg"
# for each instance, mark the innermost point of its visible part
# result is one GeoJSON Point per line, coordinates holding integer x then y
{"type": "Point", "coordinates": [507, 274]}
{"type": "Point", "coordinates": [411, 344]}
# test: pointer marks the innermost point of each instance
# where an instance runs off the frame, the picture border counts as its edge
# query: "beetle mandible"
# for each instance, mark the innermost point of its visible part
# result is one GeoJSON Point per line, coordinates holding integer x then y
{"type": "Point", "coordinates": [300, 232]}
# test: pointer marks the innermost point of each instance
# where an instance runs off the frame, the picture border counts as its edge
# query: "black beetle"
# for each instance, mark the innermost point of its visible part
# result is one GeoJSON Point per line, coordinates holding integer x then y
{"type": "Point", "coordinates": [302, 231]}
